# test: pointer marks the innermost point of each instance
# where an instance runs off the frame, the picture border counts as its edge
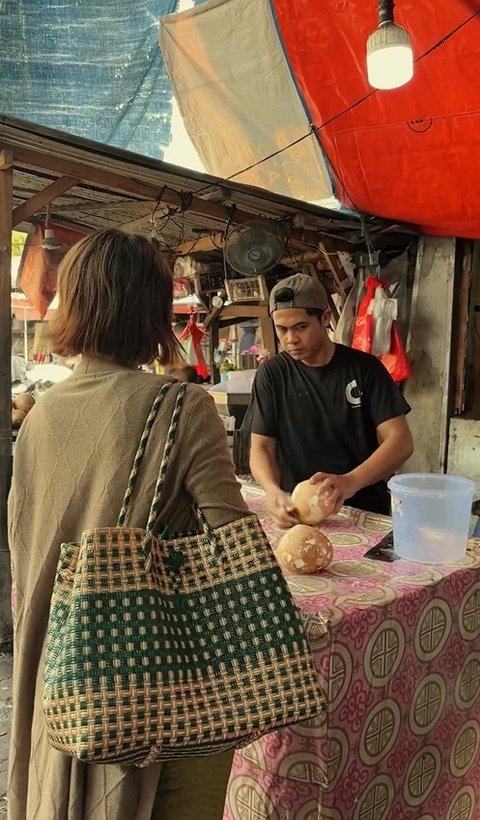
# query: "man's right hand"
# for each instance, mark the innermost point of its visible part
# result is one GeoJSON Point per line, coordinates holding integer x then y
{"type": "Point", "coordinates": [280, 508]}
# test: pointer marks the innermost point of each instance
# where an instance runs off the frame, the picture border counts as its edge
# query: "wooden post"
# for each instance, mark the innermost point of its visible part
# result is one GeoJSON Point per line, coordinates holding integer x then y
{"type": "Point", "coordinates": [429, 346]}
{"type": "Point", "coordinates": [6, 205]}
{"type": "Point", "coordinates": [213, 339]}
{"type": "Point", "coordinates": [268, 335]}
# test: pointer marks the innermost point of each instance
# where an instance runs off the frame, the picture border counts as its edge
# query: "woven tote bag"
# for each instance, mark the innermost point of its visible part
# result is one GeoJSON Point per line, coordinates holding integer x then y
{"type": "Point", "coordinates": [164, 647]}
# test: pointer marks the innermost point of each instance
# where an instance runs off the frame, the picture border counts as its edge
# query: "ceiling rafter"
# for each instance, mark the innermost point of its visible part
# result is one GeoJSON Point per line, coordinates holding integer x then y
{"type": "Point", "coordinates": [44, 197]}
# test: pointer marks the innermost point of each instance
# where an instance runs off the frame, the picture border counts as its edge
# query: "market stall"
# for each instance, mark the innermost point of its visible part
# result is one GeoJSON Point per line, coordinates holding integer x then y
{"type": "Point", "coordinates": [56, 187]}
{"type": "Point", "coordinates": [395, 646]}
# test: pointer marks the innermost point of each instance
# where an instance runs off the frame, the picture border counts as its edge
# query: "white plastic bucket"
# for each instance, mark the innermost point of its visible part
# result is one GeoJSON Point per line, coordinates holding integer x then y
{"type": "Point", "coordinates": [431, 516]}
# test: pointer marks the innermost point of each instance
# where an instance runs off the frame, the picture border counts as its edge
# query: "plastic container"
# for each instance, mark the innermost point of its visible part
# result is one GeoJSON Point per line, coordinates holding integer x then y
{"type": "Point", "coordinates": [431, 516]}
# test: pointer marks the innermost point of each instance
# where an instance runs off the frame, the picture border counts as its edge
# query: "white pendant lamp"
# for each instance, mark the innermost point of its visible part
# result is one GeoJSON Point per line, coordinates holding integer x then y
{"type": "Point", "coordinates": [389, 51]}
{"type": "Point", "coordinates": [49, 243]}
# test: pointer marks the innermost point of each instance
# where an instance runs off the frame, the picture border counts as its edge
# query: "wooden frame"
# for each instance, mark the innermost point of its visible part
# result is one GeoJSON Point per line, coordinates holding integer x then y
{"type": "Point", "coordinates": [6, 201]}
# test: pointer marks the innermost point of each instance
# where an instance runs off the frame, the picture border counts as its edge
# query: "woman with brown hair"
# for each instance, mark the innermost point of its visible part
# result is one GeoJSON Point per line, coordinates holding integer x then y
{"type": "Point", "coordinates": [71, 467]}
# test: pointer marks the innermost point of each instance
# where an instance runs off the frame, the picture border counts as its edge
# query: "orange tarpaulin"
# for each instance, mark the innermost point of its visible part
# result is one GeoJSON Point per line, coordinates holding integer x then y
{"type": "Point", "coordinates": [38, 267]}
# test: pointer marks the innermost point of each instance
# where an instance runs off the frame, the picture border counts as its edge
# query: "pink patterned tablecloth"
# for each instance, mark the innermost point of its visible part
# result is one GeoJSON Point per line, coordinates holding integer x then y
{"type": "Point", "coordinates": [397, 650]}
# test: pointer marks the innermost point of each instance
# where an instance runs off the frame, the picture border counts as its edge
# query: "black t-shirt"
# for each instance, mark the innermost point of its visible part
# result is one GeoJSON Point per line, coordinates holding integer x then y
{"type": "Point", "coordinates": [325, 418]}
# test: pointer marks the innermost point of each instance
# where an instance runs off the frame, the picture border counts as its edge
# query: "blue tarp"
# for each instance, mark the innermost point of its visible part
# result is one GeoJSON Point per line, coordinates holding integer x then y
{"type": "Point", "coordinates": [89, 67]}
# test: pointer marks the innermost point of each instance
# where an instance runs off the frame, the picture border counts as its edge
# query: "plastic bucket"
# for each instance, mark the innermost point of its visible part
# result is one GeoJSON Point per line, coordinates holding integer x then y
{"type": "Point", "coordinates": [431, 516]}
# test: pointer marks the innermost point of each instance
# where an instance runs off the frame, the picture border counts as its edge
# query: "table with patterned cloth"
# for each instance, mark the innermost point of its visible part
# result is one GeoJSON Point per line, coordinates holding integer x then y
{"type": "Point", "coordinates": [397, 648]}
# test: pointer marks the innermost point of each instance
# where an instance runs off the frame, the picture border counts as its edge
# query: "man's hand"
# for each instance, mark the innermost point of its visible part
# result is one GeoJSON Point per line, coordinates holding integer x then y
{"type": "Point", "coordinates": [281, 509]}
{"type": "Point", "coordinates": [335, 489]}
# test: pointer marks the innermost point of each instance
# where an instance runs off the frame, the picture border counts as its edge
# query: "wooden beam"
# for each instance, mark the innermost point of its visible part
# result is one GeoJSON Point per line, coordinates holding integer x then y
{"type": "Point", "coordinates": [210, 242]}
{"type": "Point", "coordinates": [212, 316]}
{"type": "Point", "coordinates": [6, 201]}
{"type": "Point", "coordinates": [430, 347]}
{"type": "Point", "coordinates": [251, 311]}
{"type": "Point", "coordinates": [300, 258]}
{"type": "Point", "coordinates": [134, 224]}
{"type": "Point", "coordinates": [116, 181]}
{"type": "Point", "coordinates": [269, 338]}
{"type": "Point", "coordinates": [215, 242]}
{"type": "Point", "coordinates": [6, 159]}
{"type": "Point", "coordinates": [88, 206]}
{"type": "Point", "coordinates": [335, 267]}
{"type": "Point", "coordinates": [461, 327]}
{"type": "Point", "coordinates": [238, 320]}
{"type": "Point", "coordinates": [213, 339]}
{"type": "Point", "coordinates": [44, 197]}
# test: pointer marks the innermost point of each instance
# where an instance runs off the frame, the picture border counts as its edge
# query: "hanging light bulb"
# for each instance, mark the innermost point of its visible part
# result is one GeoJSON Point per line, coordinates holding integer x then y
{"type": "Point", "coordinates": [49, 243]}
{"type": "Point", "coordinates": [389, 51]}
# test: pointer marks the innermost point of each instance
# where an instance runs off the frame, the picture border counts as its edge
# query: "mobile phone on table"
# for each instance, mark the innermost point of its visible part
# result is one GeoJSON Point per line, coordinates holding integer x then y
{"type": "Point", "coordinates": [384, 550]}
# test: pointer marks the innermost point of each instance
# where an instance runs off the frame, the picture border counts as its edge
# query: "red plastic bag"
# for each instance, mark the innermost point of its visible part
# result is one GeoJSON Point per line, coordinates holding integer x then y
{"type": "Point", "coordinates": [363, 329]}
{"type": "Point", "coordinates": [191, 339]}
{"type": "Point", "coordinates": [396, 361]}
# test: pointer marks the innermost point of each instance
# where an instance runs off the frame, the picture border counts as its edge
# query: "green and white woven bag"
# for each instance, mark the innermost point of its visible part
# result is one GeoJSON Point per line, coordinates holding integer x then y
{"type": "Point", "coordinates": [161, 648]}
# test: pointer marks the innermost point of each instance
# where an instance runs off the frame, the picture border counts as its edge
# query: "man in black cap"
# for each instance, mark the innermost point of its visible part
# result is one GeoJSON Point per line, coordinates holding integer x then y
{"type": "Point", "coordinates": [323, 411]}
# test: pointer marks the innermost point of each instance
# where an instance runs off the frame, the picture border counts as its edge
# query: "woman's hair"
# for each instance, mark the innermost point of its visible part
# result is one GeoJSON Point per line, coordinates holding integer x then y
{"type": "Point", "coordinates": [115, 300]}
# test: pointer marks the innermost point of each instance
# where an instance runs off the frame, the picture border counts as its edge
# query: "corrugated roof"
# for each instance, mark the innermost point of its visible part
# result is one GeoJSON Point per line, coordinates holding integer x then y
{"type": "Point", "coordinates": [110, 187]}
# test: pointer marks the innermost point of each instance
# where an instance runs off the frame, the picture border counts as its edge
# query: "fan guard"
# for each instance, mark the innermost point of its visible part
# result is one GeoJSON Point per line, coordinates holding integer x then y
{"type": "Point", "coordinates": [254, 248]}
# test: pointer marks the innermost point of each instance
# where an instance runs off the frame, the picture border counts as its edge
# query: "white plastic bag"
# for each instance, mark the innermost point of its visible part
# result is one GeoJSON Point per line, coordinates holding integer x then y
{"type": "Point", "coordinates": [343, 333]}
{"type": "Point", "coordinates": [384, 311]}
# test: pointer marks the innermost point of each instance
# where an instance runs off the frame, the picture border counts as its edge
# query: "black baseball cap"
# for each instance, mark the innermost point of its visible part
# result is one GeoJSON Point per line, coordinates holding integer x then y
{"type": "Point", "coordinates": [298, 291]}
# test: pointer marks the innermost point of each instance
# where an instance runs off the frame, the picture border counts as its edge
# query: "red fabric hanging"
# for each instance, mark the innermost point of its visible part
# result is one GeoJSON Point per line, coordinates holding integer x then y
{"type": "Point", "coordinates": [191, 337]}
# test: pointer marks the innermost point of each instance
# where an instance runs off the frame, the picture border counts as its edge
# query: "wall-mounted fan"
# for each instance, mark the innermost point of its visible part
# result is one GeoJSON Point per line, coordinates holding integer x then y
{"type": "Point", "coordinates": [255, 247]}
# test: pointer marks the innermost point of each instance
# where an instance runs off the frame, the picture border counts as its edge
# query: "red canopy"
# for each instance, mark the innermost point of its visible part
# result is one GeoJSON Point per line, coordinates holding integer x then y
{"type": "Point", "coordinates": [412, 154]}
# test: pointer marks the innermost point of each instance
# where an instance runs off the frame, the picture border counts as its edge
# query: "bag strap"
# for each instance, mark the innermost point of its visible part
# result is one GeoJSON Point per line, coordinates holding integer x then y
{"type": "Point", "coordinates": [140, 451]}
{"type": "Point", "coordinates": [209, 536]}
{"type": "Point", "coordinates": [170, 440]}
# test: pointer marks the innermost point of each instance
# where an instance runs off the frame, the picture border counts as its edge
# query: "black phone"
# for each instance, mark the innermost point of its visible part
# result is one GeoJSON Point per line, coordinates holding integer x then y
{"type": "Point", "coordinates": [384, 550]}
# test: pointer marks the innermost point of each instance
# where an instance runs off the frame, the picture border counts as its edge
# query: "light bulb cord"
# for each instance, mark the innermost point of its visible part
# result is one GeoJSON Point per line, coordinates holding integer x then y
{"type": "Point", "coordinates": [385, 12]}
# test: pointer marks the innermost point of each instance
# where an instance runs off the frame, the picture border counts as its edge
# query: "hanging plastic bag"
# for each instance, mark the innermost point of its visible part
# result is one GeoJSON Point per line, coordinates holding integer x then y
{"type": "Point", "coordinates": [343, 334]}
{"type": "Point", "coordinates": [383, 312]}
{"type": "Point", "coordinates": [396, 361]}
{"type": "Point", "coordinates": [191, 339]}
{"type": "Point", "coordinates": [363, 329]}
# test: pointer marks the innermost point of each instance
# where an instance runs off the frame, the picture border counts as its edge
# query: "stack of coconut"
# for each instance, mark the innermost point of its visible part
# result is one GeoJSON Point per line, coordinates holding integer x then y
{"type": "Point", "coordinates": [304, 549]}
{"type": "Point", "coordinates": [21, 406]}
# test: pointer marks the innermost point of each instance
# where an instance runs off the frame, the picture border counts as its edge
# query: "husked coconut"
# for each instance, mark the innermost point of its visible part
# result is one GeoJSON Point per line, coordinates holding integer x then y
{"type": "Point", "coordinates": [24, 402]}
{"type": "Point", "coordinates": [304, 550]}
{"type": "Point", "coordinates": [18, 416]}
{"type": "Point", "coordinates": [309, 503]}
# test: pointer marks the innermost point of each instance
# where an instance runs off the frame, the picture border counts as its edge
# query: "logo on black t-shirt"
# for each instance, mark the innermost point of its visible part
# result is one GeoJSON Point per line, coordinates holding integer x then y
{"type": "Point", "coordinates": [353, 394]}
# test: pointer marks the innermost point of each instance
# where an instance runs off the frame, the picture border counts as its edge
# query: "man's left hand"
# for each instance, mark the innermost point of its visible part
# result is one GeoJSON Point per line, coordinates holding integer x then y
{"type": "Point", "coordinates": [335, 489]}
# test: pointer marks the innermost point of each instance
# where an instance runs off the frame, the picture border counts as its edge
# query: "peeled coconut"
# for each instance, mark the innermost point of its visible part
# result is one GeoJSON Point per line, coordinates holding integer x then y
{"type": "Point", "coordinates": [24, 402]}
{"type": "Point", "coordinates": [304, 550]}
{"type": "Point", "coordinates": [309, 504]}
{"type": "Point", "coordinates": [18, 416]}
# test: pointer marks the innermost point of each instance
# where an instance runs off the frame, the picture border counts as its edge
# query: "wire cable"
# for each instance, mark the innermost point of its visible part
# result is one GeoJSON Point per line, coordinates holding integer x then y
{"type": "Point", "coordinates": [315, 129]}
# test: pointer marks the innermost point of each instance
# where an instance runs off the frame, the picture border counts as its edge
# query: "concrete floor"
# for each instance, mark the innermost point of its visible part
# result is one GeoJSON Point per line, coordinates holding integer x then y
{"type": "Point", "coordinates": [5, 713]}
